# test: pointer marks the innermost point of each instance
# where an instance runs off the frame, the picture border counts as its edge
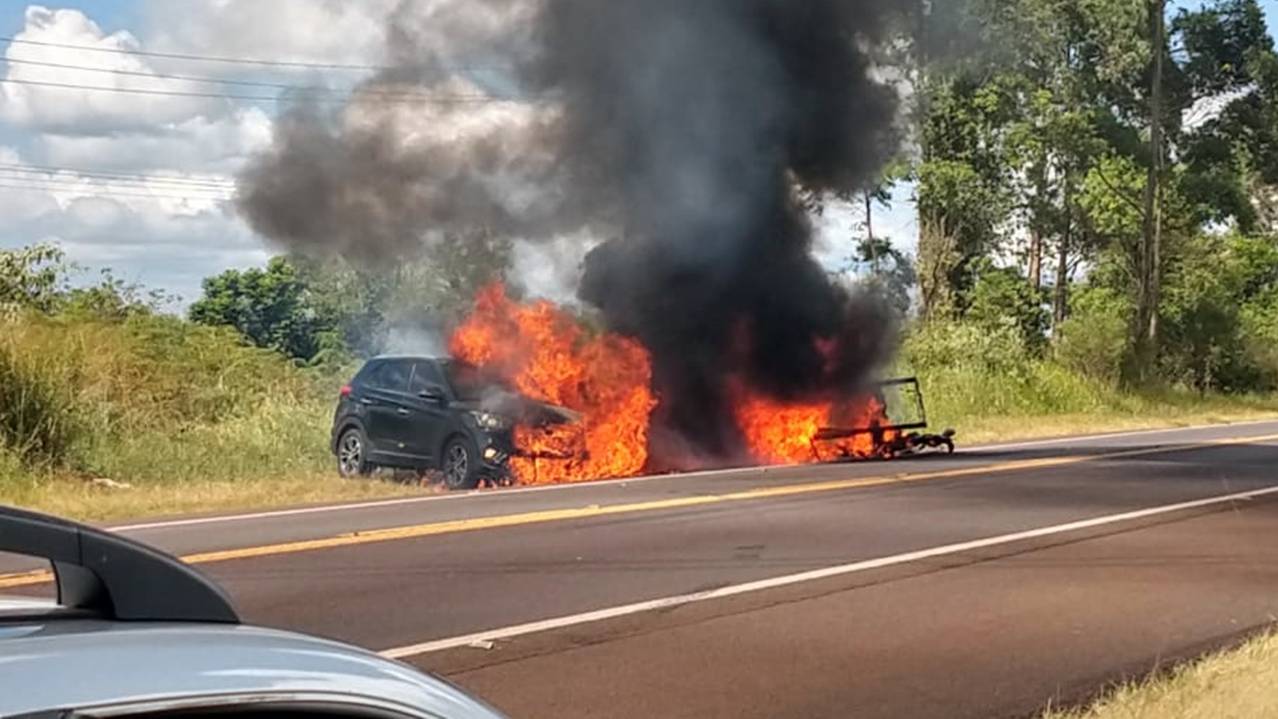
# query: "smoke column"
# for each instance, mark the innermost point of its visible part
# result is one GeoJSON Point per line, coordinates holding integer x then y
{"type": "Point", "coordinates": [679, 131]}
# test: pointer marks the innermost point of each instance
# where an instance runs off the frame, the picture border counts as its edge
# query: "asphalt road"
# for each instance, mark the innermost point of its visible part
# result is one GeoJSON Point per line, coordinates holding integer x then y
{"type": "Point", "coordinates": [989, 583]}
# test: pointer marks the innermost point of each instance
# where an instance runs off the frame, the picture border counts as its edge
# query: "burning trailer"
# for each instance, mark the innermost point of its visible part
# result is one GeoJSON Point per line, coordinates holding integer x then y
{"type": "Point", "coordinates": [896, 430]}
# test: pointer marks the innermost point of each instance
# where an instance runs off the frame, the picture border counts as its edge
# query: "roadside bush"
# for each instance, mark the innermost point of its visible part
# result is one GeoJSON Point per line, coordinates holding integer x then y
{"type": "Point", "coordinates": [150, 397]}
{"type": "Point", "coordinates": [1260, 339]}
{"type": "Point", "coordinates": [1094, 340]}
{"type": "Point", "coordinates": [38, 419]}
{"type": "Point", "coordinates": [949, 345]}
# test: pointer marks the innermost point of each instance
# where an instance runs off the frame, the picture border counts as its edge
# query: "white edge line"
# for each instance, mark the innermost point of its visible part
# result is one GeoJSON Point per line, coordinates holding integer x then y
{"type": "Point", "coordinates": [745, 471]}
{"type": "Point", "coordinates": [791, 579]}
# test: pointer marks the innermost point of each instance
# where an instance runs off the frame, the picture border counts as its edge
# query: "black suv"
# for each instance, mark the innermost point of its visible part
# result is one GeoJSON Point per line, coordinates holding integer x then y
{"type": "Point", "coordinates": [421, 413]}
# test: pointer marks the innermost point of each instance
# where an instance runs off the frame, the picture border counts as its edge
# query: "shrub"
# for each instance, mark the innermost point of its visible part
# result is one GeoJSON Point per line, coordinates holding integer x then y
{"type": "Point", "coordinates": [950, 345]}
{"type": "Point", "coordinates": [1094, 340]}
{"type": "Point", "coordinates": [38, 418]}
{"type": "Point", "coordinates": [148, 397]}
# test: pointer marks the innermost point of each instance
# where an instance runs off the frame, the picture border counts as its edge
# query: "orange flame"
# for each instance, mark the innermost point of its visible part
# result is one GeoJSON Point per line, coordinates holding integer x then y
{"type": "Point", "coordinates": [778, 432]}
{"type": "Point", "coordinates": [546, 354]}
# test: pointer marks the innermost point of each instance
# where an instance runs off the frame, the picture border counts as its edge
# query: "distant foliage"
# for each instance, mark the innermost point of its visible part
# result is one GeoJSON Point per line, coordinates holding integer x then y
{"type": "Point", "coordinates": [153, 396]}
{"type": "Point", "coordinates": [1002, 299]}
{"type": "Point", "coordinates": [39, 423]}
{"type": "Point", "coordinates": [272, 307]}
{"type": "Point", "coordinates": [949, 345]}
{"type": "Point", "coordinates": [1094, 340]}
{"type": "Point", "coordinates": [31, 278]}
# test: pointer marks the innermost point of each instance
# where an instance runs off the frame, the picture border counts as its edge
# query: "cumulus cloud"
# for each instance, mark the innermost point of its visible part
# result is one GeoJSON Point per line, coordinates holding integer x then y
{"type": "Point", "coordinates": [322, 31]}
{"type": "Point", "coordinates": [163, 233]}
{"type": "Point", "coordinates": [52, 108]}
{"type": "Point", "coordinates": [194, 145]}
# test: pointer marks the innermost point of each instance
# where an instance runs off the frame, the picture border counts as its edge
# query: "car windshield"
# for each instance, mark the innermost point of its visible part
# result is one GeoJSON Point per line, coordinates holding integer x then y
{"type": "Point", "coordinates": [470, 383]}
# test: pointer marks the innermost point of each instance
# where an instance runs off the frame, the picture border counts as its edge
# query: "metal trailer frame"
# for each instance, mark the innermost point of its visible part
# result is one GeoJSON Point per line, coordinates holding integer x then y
{"type": "Point", "coordinates": [908, 439]}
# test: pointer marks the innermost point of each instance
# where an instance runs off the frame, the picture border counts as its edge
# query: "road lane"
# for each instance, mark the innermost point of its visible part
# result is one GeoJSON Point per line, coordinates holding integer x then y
{"type": "Point", "coordinates": [217, 534]}
{"type": "Point", "coordinates": [998, 638]}
{"type": "Point", "coordinates": [990, 631]}
{"type": "Point", "coordinates": [418, 590]}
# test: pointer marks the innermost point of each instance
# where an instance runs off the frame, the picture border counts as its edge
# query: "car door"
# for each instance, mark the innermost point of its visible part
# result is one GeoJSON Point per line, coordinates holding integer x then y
{"type": "Point", "coordinates": [388, 412]}
{"type": "Point", "coordinates": [431, 415]}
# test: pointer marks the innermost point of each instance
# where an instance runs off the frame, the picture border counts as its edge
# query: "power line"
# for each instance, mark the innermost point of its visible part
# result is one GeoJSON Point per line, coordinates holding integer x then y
{"type": "Point", "coordinates": [223, 81]}
{"type": "Point", "coordinates": [199, 58]}
{"type": "Point", "coordinates": [428, 99]}
{"type": "Point", "coordinates": [120, 176]}
{"type": "Point", "coordinates": [113, 193]}
{"type": "Point", "coordinates": [72, 185]}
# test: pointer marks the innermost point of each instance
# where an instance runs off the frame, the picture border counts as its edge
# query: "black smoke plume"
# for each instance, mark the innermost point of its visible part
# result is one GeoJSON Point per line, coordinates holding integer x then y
{"type": "Point", "coordinates": [683, 129]}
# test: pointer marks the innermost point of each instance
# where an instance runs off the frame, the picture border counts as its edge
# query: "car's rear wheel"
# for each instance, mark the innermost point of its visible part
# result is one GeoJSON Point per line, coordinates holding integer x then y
{"type": "Point", "coordinates": [460, 464]}
{"type": "Point", "coordinates": [352, 454]}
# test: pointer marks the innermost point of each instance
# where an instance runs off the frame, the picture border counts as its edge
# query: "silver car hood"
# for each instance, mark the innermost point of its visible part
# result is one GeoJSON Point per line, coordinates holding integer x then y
{"type": "Point", "coordinates": [77, 664]}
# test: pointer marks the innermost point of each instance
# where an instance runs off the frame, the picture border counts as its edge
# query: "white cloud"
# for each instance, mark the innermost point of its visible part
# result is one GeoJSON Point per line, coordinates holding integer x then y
{"type": "Point", "coordinates": [158, 243]}
{"type": "Point", "coordinates": [166, 235]}
{"type": "Point", "coordinates": [88, 112]}
{"type": "Point", "coordinates": [194, 145]}
{"type": "Point", "coordinates": [323, 31]}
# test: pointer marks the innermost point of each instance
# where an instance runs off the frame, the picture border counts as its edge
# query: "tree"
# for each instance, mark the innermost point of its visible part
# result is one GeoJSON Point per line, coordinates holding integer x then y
{"type": "Point", "coordinates": [271, 307]}
{"type": "Point", "coordinates": [32, 278]}
{"type": "Point", "coordinates": [368, 305]}
{"type": "Point", "coordinates": [890, 272]}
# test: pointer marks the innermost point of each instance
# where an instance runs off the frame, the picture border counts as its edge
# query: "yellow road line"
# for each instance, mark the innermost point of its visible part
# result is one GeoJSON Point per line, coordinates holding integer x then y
{"type": "Point", "coordinates": [559, 515]}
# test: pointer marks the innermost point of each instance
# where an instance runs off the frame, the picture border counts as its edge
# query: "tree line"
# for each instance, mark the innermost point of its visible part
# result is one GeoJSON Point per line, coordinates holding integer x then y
{"type": "Point", "coordinates": [1095, 181]}
{"type": "Point", "coordinates": [1102, 172]}
{"type": "Point", "coordinates": [1096, 178]}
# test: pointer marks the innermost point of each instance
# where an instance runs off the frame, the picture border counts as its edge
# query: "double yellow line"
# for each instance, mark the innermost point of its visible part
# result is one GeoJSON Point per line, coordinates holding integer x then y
{"type": "Point", "coordinates": [592, 511]}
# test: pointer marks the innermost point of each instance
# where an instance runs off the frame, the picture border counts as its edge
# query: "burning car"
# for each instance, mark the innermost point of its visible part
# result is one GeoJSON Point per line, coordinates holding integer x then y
{"type": "Point", "coordinates": [425, 414]}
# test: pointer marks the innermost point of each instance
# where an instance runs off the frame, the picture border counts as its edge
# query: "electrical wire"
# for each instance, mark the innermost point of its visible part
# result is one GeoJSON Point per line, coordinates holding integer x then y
{"type": "Point", "coordinates": [113, 193]}
{"type": "Point", "coordinates": [198, 58]}
{"type": "Point", "coordinates": [193, 183]}
{"type": "Point", "coordinates": [225, 81]}
{"type": "Point", "coordinates": [433, 99]}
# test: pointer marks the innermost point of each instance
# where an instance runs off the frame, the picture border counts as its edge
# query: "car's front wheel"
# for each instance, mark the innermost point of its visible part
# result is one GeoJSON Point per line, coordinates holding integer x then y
{"type": "Point", "coordinates": [352, 454]}
{"type": "Point", "coordinates": [460, 464]}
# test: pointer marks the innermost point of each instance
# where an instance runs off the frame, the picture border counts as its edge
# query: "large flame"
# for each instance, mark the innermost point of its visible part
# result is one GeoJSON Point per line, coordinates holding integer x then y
{"type": "Point", "coordinates": [779, 432]}
{"type": "Point", "coordinates": [547, 354]}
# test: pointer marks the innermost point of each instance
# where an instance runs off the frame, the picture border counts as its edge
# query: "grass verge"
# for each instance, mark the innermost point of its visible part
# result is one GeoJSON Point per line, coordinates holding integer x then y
{"type": "Point", "coordinates": [1237, 684]}
{"type": "Point", "coordinates": [150, 416]}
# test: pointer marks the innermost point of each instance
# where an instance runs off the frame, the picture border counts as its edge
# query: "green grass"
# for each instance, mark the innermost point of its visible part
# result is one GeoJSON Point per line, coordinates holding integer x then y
{"type": "Point", "coordinates": [1237, 684]}
{"type": "Point", "coordinates": [1041, 399]}
{"type": "Point", "coordinates": [190, 418]}
{"type": "Point", "coordinates": [193, 420]}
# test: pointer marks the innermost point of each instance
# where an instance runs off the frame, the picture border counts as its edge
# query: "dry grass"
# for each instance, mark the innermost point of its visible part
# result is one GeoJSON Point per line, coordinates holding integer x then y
{"type": "Point", "coordinates": [1241, 684]}
{"type": "Point", "coordinates": [994, 429]}
{"type": "Point", "coordinates": [194, 421]}
{"type": "Point", "coordinates": [84, 501]}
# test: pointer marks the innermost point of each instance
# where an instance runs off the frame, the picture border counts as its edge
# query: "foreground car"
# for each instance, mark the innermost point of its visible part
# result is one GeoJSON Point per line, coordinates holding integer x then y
{"type": "Point", "coordinates": [137, 633]}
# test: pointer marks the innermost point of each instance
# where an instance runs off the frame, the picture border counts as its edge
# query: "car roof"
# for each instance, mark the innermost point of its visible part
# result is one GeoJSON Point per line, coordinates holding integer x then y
{"type": "Point", "coordinates": [84, 663]}
{"type": "Point", "coordinates": [134, 625]}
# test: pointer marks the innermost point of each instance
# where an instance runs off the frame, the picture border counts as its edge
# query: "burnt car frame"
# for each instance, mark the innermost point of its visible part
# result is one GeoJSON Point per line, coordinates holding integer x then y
{"type": "Point", "coordinates": [890, 439]}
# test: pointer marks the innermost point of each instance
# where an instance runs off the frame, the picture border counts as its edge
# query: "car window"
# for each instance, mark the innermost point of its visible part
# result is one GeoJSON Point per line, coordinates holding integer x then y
{"type": "Point", "coordinates": [391, 376]}
{"type": "Point", "coordinates": [469, 383]}
{"type": "Point", "coordinates": [425, 376]}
